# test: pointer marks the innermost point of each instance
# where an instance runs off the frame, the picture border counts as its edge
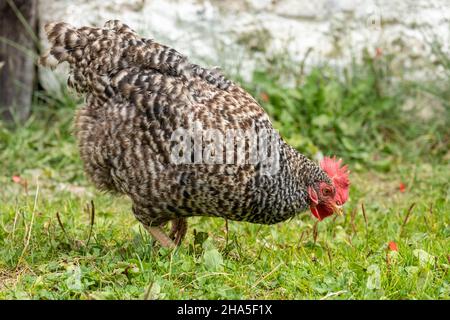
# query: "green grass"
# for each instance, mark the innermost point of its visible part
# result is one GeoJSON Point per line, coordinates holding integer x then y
{"type": "Point", "coordinates": [43, 257]}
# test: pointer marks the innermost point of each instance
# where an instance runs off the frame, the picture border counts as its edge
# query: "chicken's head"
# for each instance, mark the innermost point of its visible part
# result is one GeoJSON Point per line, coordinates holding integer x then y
{"type": "Point", "coordinates": [326, 198]}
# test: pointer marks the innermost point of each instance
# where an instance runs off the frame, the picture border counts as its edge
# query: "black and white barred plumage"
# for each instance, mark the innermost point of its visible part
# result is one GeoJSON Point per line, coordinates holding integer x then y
{"type": "Point", "coordinates": [138, 93]}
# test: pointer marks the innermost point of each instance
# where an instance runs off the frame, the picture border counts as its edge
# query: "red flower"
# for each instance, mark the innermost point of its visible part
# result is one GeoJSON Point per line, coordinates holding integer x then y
{"type": "Point", "coordinates": [264, 97]}
{"type": "Point", "coordinates": [20, 181]}
{"type": "Point", "coordinates": [392, 246]}
{"type": "Point", "coordinates": [378, 52]}
{"type": "Point", "coordinates": [16, 179]}
{"type": "Point", "coordinates": [402, 187]}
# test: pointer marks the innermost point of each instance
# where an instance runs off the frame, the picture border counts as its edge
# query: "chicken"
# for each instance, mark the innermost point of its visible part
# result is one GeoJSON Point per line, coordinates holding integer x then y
{"type": "Point", "coordinates": [181, 140]}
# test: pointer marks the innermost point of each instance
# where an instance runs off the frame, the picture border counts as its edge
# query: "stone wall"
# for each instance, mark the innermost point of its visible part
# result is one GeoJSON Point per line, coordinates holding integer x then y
{"type": "Point", "coordinates": [239, 35]}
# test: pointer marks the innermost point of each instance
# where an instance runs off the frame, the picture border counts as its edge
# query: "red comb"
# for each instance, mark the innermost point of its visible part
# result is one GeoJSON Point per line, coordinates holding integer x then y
{"type": "Point", "coordinates": [338, 175]}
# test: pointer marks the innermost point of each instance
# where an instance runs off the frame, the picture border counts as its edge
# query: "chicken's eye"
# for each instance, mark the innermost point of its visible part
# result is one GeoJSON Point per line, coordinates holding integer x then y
{"type": "Point", "coordinates": [326, 192]}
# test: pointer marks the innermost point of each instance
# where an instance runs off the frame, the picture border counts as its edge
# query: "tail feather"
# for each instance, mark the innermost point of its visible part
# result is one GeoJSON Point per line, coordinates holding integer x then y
{"type": "Point", "coordinates": [94, 53]}
{"type": "Point", "coordinates": [63, 39]}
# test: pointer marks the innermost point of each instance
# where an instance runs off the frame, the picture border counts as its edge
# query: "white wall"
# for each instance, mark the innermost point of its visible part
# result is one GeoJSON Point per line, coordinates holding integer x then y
{"type": "Point", "coordinates": [225, 33]}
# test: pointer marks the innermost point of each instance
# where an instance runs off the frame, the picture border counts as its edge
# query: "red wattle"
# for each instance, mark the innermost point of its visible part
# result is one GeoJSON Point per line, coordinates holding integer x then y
{"type": "Point", "coordinates": [315, 212]}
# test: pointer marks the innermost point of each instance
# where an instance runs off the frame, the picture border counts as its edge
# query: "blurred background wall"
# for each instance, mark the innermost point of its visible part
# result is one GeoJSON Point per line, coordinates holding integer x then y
{"type": "Point", "coordinates": [238, 35]}
{"type": "Point", "coordinates": [241, 34]}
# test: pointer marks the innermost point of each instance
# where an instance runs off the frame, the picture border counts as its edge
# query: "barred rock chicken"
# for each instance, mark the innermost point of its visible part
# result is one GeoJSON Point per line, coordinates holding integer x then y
{"type": "Point", "coordinates": [181, 140]}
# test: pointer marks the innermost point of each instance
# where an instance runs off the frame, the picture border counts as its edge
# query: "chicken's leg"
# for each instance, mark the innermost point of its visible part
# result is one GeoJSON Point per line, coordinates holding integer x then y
{"type": "Point", "coordinates": [162, 238]}
{"type": "Point", "coordinates": [178, 231]}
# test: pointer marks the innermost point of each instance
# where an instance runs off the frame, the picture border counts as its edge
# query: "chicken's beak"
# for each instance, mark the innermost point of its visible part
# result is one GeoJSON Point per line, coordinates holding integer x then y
{"type": "Point", "coordinates": [338, 209]}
